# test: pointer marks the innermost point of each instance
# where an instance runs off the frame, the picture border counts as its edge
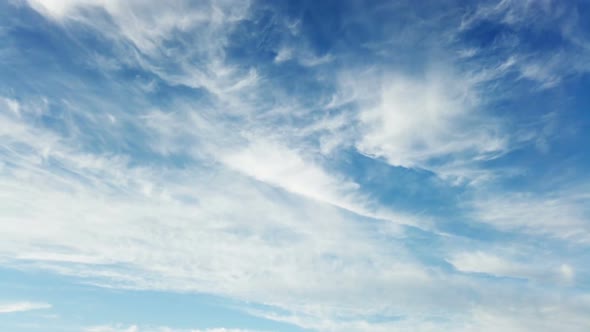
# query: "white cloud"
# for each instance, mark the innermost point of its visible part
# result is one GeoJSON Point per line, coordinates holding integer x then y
{"type": "Point", "coordinates": [59, 8]}
{"type": "Point", "coordinates": [545, 270]}
{"type": "Point", "coordinates": [516, 315]}
{"type": "Point", "coordinates": [567, 273]}
{"type": "Point", "coordinates": [283, 55]}
{"type": "Point", "coordinates": [109, 328]}
{"type": "Point", "coordinates": [6, 308]}
{"type": "Point", "coordinates": [487, 263]}
{"type": "Point", "coordinates": [253, 214]}
{"type": "Point", "coordinates": [302, 55]}
{"type": "Point", "coordinates": [562, 215]}
{"type": "Point", "coordinates": [138, 29]}
{"type": "Point", "coordinates": [545, 68]}
{"type": "Point", "coordinates": [432, 122]}
{"type": "Point", "coordinates": [145, 23]}
{"type": "Point", "coordinates": [136, 328]}
{"type": "Point", "coordinates": [10, 104]}
{"type": "Point", "coordinates": [269, 246]}
{"type": "Point", "coordinates": [274, 164]}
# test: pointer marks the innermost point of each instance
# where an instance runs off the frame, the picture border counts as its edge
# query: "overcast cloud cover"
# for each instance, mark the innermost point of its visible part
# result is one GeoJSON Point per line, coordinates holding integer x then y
{"type": "Point", "coordinates": [251, 166]}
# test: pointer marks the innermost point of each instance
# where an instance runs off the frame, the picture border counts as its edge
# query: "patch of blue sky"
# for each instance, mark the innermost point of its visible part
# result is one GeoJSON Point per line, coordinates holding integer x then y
{"type": "Point", "coordinates": [76, 305]}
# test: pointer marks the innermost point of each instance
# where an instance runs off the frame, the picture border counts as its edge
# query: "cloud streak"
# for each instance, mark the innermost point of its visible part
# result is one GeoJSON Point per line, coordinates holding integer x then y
{"type": "Point", "coordinates": [7, 308]}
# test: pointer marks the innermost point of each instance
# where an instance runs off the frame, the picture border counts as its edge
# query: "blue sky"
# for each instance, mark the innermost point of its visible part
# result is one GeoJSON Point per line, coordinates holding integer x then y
{"type": "Point", "coordinates": [250, 166]}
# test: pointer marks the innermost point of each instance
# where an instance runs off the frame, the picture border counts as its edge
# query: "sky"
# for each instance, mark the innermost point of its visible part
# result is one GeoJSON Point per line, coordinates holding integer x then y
{"type": "Point", "coordinates": [294, 165]}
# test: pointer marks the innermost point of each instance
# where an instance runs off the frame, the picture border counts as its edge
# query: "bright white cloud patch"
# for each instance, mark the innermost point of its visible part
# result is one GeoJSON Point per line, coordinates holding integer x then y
{"type": "Point", "coordinates": [433, 122]}
{"type": "Point", "coordinates": [6, 308]}
{"type": "Point", "coordinates": [563, 216]}
{"type": "Point", "coordinates": [285, 168]}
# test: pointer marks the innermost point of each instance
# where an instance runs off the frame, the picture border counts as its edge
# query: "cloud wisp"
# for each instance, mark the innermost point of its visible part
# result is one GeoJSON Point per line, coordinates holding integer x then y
{"type": "Point", "coordinates": [7, 308]}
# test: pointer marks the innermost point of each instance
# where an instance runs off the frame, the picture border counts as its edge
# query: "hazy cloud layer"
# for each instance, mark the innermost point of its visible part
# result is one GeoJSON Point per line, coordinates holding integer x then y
{"type": "Point", "coordinates": [337, 167]}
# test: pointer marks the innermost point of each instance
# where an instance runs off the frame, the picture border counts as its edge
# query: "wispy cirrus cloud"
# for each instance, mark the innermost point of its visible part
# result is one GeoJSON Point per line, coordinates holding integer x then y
{"type": "Point", "coordinates": [487, 263]}
{"type": "Point", "coordinates": [562, 215]}
{"type": "Point", "coordinates": [12, 307]}
{"type": "Point", "coordinates": [530, 58]}
{"type": "Point", "coordinates": [135, 328]}
{"type": "Point", "coordinates": [429, 123]}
